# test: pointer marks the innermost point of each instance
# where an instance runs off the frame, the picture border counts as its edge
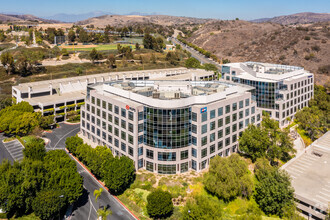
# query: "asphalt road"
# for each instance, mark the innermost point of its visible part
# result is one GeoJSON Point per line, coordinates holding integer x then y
{"type": "Point", "coordinates": [203, 59]}
{"type": "Point", "coordinates": [58, 136]}
{"type": "Point", "coordinates": [86, 207]}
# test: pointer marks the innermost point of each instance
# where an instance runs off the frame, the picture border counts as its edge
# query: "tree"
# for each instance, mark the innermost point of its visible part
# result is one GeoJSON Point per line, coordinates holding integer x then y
{"type": "Point", "coordinates": [202, 208]}
{"type": "Point", "coordinates": [7, 61]}
{"type": "Point", "coordinates": [192, 63]}
{"type": "Point", "coordinates": [61, 174]}
{"type": "Point", "coordinates": [173, 58]}
{"type": "Point", "coordinates": [97, 193]}
{"type": "Point", "coordinates": [254, 142]}
{"type": "Point", "coordinates": [83, 36]}
{"type": "Point", "coordinates": [268, 140]}
{"type": "Point", "coordinates": [210, 67]}
{"type": "Point", "coordinates": [137, 46]}
{"type": "Point", "coordinates": [118, 174]}
{"type": "Point", "coordinates": [273, 192]}
{"type": "Point", "coordinates": [111, 61]}
{"type": "Point", "coordinates": [148, 41]}
{"type": "Point", "coordinates": [159, 204]}
{"type": "Point", "coordinates": [79, 71]}
{"type": "Point", "coordinates": [71, 36]}
{"type": "Point", "coordinates": [48, 203]}
{"type": "Point", "coordinates": [228, 178]}
{"type": "Point", "coordinates": [103, 213]}
{"type": "Point", "coordinates": [95, 55]}
{"type": "Point", "coordinates": [46, 121]}
{"type": "Point", "coordinates": [18, 119]}
{"type": "Point", "coordinates": [35, 149]}
{"type": "Point", "coordinates": [72, 143]}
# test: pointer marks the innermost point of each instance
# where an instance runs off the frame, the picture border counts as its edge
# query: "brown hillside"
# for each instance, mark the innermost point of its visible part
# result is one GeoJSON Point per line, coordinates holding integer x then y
{"type": "Point", "coordinates": [24, 19]}
{"type": "Point", "coordinates": [307, 46]}
{"type": "Point", "coordinates": [125, 20]}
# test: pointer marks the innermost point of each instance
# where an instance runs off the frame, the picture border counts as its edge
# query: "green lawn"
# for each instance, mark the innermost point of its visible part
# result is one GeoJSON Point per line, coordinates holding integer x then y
{"type": "Point", "coordinates": [98, 47]}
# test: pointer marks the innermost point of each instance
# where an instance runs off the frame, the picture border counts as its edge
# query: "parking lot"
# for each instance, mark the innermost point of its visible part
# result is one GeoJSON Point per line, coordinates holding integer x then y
{"type": "Point", "coordinates": [15, 149]}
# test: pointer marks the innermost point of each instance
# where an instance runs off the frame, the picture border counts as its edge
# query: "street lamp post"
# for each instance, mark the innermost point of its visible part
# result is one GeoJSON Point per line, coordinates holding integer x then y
{"type": "Point", "coordinates": [59, 208]}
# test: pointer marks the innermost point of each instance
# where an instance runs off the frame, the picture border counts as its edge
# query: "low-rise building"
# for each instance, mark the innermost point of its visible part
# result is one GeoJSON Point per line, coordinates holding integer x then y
{"type": "Point", "coordinates": [59, 97]}
{"type": "Point", "coordinates": [310, 178]}
{"type": "Point", "coordinates": [168, 127]}
{"type": "Point", "coordinates": [280, 90]}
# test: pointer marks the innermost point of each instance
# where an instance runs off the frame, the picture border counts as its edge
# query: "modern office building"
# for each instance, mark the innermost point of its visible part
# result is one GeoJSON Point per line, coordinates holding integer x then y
{"type": "Point", "coordinates": [310, 178]}
{"type": "Point", "coordinates": [62, 96]}
{"type": "Point", "coordinates": [280, 90]}
{"type": "Point", "coordinates": [168, 127]}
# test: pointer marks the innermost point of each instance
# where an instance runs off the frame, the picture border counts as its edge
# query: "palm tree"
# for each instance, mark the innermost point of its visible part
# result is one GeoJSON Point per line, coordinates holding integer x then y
{"type": "Point", "coordinates": [103, 213]}
{"type": "Point", "coordinates": [97, 193]}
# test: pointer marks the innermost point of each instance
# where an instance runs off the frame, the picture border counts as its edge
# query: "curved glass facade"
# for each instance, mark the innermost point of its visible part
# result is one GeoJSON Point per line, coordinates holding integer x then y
{"type": "Point", "coordinates": [167, 128]}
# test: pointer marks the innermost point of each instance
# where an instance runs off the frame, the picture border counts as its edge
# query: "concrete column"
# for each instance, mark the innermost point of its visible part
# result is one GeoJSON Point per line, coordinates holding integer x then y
{"type": "Point", "coordinates": [29, 91]}
{"type": "Point", "coordinates": [51, 88]}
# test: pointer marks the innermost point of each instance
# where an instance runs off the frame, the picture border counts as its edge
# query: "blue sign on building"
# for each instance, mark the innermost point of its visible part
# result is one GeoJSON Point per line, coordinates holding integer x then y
{"type": "Point", "coordinates": [203, 109]}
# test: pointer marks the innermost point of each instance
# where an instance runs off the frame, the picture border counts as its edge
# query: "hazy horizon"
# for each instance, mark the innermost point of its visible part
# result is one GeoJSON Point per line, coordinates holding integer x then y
{"type": "Point", "coordinates": [245, 10]}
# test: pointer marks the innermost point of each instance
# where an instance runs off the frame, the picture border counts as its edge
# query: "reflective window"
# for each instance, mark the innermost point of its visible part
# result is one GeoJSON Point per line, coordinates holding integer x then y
{"type": "Point", "coordinates": [220, 111]}
{"type": "Point", "coordinates": [184, 155]}
{"type": "Point", "coordinates": [130, 115]}
{"type": "Point", "coordinates": [184, 167]}
{"type": "Point", "coordinates": [166, 128]}
{"type": "Point", "coordinates": [204, 116]}
{"type": "Point", "coordinates": [212, 114]}
{"type": "Point", "coordinates": [166, 169]}
{"type": "Point", "coordinates": [204, 152]}
{"type": "Point", "coordinates": [167, 156]}
{"type": "Point", "coordinates": [150, 154]}
{"type": "Point", "coordinates": [204, 129]}
{"type": "Point", "coordinates": [150, 166]}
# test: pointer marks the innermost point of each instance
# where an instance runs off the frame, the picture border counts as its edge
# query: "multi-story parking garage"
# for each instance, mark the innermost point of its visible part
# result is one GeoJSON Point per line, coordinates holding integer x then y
{"type": "Point", "coordinates": [61, 97]}
{"type": "Point", "coordinates": [280, 90]}
{"type": "Point", "coordinates": [168, 127]}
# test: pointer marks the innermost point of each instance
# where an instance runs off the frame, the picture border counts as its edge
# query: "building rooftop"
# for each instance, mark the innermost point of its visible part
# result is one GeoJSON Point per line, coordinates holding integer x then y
{"type": "Point", "coordinates": [56, 83]}
{"type": "Point", "coordinates": [266, 71]}
{"type": "Point", "coordinates": [171, 89]}
{"type": "Point", "coordinates": [310, 173]}
{"type": "Point", "coordinates": [170, 94]}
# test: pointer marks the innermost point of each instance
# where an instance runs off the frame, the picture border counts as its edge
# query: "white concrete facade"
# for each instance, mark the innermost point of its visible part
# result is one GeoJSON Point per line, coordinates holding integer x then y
{"type": "Point", "coordinates": [280, 90]}
{"type": "Point", "coordinates": [137, 125]}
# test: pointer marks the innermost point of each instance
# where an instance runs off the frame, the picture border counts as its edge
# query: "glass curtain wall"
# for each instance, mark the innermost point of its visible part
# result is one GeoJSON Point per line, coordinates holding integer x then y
{"type": "Point", "coordinates": [167, 128]}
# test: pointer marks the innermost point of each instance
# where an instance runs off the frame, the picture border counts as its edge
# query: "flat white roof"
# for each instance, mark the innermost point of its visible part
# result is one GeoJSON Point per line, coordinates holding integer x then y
{"type": "Point", "coordinates": [310, 173]}
{"type": "Point", "coordinates": [266, 72]}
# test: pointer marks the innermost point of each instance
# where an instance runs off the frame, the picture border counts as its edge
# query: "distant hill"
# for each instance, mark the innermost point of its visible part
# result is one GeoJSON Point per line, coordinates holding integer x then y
{"type": "Point", "coordinates": [77, 17]}
{"type": "Point", "coordinates": [306, 45]}
{"type": "Point", "coordinates": [24, 19]}
{"type": "Point", "coordinates": [124, 20]}
{"type": "Point", "coordinates": [300, 18]}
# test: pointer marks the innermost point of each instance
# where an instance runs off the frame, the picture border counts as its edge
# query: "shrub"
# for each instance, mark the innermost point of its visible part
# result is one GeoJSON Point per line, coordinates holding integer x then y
{"type": "Point", "coordinates": [316, 48]}
{"type": "Point", "coordinates": [228, 178]}
{"type": "Point", "coordinates": [307, 38]}
{"type": "Point", "coordinates": [159, 204]}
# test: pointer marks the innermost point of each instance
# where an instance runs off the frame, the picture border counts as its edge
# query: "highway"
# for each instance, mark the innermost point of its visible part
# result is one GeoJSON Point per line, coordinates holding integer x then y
{"type": "Point", "coordinates": [203, 59]}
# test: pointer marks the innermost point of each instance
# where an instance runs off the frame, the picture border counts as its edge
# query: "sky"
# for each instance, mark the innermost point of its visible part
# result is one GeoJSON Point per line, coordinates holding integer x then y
{"type": "Point", "coordinates": [219, 9]}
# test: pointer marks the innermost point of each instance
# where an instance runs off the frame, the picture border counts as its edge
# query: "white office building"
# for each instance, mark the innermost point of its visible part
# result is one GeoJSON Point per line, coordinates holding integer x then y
{"type": "Point", "coordinates": [168, 127]}
{"type": "Point", "coordinates": [280, 90]}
